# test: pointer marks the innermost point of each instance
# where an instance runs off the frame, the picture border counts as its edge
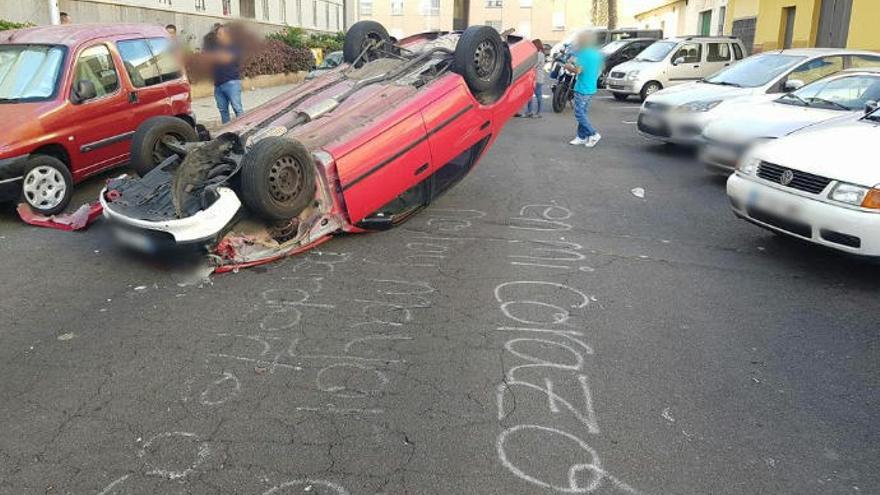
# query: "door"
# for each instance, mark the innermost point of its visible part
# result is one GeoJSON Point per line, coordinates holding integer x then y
{"type": "Point", "coordinates": [705, 23]}
{"type": "Point", "coordinates": [385, 167]}
{"type": "Point", "coordinates": [454, 122]}
{"type": "Point", "coordinates": [102, 132]}
{"type": "Point", "coordinates": [718, 56]}
{"type": "Point", "coordinates": [148, 96]}
{"type": "Point", "coordinates": [834, 18]}
{"type": "Point", "coordinates": [687, 63]}
{"type": "Point", "coordinates": [788, 15]}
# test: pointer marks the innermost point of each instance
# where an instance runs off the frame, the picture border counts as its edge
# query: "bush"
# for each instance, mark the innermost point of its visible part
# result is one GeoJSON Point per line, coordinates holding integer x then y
{"type": "Point", "coordinates": [268, 57]}
{"type": "Point", "coordinates": [327, 42]}
{"type": "Point", "coordinates": [292, 36]}
{"type": "Point", "coordinates": [4, 25]}
{"type": "Point", "coordinates": [297, 38]}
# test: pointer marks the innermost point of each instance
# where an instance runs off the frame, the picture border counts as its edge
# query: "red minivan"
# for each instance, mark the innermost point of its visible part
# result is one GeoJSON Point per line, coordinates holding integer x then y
{"type": "Point", "coordinates": [71, 98]}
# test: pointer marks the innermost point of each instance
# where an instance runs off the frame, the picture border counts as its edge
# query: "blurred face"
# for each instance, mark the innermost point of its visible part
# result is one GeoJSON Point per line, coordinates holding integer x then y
{"type": "Point", "coordinates": [223, 36]}
{"type": "Point", "coordinates": [584, 40]}
{"type": "Point", "coordinates": [172, 31]}
{"type": "Point", "coordinates": [65, 19]}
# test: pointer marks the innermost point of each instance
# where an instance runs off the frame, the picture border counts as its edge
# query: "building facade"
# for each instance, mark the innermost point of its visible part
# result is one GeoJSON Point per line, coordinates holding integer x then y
{"type": "Point", "coordinates": [807, 23]}
{"type": "Point", "coordinates": [193, 18]}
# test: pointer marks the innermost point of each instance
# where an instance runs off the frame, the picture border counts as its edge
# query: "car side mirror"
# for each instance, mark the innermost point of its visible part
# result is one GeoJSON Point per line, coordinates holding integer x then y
{"type": "Point", "coordinates": [871, 106]}
{"type": "Point", "coordinates": [792, 85]}
{"type": "Point", "coordinates": [678, 61]}
{"type": "Point", "coordinates": [84, 90]}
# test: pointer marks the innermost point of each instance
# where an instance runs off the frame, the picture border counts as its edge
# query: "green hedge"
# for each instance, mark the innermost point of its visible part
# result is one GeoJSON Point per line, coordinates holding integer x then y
{"type": "Point", "coordinates": [297, 38]}
{"type": "Point", "coordinates": [4, 25]}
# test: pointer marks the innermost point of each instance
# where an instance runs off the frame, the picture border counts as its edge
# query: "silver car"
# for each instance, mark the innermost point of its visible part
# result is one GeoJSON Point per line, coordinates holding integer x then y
{"type": "Point", "coordinates": [679, 114]}
{"type": "Point", "coordinates": [841, 95]}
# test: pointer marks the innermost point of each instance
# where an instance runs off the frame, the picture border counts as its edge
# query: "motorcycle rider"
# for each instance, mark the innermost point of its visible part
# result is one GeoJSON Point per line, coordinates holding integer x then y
{"type": "Point", "coordinates": [587, 64]}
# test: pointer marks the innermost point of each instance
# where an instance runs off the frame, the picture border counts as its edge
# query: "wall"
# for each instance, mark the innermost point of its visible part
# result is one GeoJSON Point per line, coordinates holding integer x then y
{"type": "Point", "coordinates": [535, 18]}
{"type": "Point", "coordinates": [692, 16]}
{"type": "Point", "coordinates": [412, 20]}
{"type": "Point", "coordinates": [668, 16]}
{"type": "Point", "coordinates": [739, 9]}
{"type": "Point", "coordinates": [864, 30]}
{"type": "Point", "coordinates": [768, 35]}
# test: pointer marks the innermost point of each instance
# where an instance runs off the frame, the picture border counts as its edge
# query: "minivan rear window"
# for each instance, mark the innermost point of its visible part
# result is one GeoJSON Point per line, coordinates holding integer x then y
{"type": "Point", "coordinates": [149, 61]}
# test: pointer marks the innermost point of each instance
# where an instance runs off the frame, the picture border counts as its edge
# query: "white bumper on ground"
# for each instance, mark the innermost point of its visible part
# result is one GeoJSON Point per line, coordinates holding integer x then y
{"type": "Point", "coordinates": [815, 219]}
{"type": "Point", "coordinates": [204, 225]}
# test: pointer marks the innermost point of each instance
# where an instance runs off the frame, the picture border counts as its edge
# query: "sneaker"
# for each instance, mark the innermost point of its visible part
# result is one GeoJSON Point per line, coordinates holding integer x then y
{"type": "Point", "coordinates": [593, 140]}
{"type": "Point", "coordinates": [577, 141]}
{"type": "Point", "coordinates": [537, 116]}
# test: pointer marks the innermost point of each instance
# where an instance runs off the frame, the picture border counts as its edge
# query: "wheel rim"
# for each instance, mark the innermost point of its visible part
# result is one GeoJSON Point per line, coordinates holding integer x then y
{"type": "Point", "coordinates": [160, 151]}
{"type": "Point", "coordinates": [285, 179]}
{"type": "Point", "coordinates": [485, 58]}
{"type": "Point", "coordinates": [369, 46]}
{"type": "Point", "coordinates": [651, 89]}
{"type": "Point", "coordinates": [44, 187]}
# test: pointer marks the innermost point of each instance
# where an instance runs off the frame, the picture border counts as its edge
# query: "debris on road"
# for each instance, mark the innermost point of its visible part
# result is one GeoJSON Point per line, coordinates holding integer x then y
{"type": "Point", "coordinates": [66, 336]}
{"type": "Point", "coordinates": [80, 219]}
{"type": "Point", "coordinates": [638, 192]}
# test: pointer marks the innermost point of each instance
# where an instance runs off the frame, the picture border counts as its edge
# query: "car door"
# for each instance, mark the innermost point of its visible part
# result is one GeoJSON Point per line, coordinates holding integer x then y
{"type": "Point", "coordinates": [148, 94]}
{"type": "Point", "coordinates": [103, 126]}
{"type": "Point", "coordinates": [718, 56]}
{"type": "Point", "coordinates": [687, 62]}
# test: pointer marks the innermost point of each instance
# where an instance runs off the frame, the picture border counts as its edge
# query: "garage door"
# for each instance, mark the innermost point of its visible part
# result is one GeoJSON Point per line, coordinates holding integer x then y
{"type": "Point", "coordinates": [834, 23]}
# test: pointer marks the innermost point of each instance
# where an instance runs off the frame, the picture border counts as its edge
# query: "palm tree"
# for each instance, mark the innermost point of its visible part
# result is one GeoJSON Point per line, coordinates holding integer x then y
{"type": "Point", "coordinates": [605, 13]}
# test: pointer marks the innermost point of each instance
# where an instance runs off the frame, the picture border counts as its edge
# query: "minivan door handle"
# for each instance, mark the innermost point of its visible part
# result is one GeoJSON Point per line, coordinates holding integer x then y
{"type": "Point", "coordinates": [133, 97]}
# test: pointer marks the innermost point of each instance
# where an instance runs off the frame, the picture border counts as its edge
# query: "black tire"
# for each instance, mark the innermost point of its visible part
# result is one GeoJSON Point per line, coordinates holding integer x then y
{"type": "Point", "coordinates": [482, 58]}
{"type": "Point", "coordinates": [277, 178]}
{"type": "Point", "coordinates": [649, 88]}
{"type": "Point", "coordinates": [147, 149]}
{"type": "Point", "coordinates": [560, 97]}
{"type": "Point", "coordinates": [47, 184]}
{"type": "Point", "coordinates": [359, 37]}
{"type": "Point", "coordinates": [620, 96]}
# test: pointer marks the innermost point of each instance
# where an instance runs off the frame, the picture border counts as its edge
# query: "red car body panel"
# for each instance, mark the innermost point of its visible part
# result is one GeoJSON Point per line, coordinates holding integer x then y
{"type": "Point", "coordinates": [95, 135]}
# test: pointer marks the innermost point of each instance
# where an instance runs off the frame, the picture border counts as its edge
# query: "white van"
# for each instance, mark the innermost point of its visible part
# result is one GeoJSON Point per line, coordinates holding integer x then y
{"type": "Point", "coordinates": [673, 61]}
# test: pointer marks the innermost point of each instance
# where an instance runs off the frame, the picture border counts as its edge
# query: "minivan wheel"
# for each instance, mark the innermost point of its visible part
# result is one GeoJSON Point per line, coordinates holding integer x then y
{"type": "Point", "coordinates": [149, 145]}
{"type": "Point", "coordinates": [649, 88]}
{"type": "Point", "coordinates": [277, 178]}
{"type": "Point", "coordinates": [47, 184]}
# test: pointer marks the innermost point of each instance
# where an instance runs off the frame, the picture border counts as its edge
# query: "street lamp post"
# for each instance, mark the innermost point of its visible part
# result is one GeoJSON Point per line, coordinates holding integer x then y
{"type": "Point", "coordinates": [54, 14]}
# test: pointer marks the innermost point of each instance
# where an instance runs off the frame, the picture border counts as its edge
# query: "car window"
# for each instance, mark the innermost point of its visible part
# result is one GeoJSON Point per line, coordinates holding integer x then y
{"type": "Point", "coordinates": [717, 52]}
{"type": "Point", "coordinates": [755, 71]}
{"type": "Point", "coordinates": [657, 51]}
{"type": "Point", "coordinates": [166, 60]}
{"type": "Point", "coordinates": [816, 69]}
{"type": "Point", "coordinates": [612, 47]}
{"type": "Point", "coordinates": [692, 53]}
{"type": "Point", "coordinates": [861, 61]}
{"type": "Point", "coordinates": [95, 64]}
{"type": "Point", "coordinates": [737, 51]}
{"type": "Point", "coordinates": [852, 92]}
{"type": "Point", "coordinates": [29, 72]}
{"type": "Point", "coordinates": [139, 62]}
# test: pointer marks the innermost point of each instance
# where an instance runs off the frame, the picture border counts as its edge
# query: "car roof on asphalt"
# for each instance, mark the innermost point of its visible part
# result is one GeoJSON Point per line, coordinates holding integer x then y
{"type": "Point", "coordinates": [74, 34]}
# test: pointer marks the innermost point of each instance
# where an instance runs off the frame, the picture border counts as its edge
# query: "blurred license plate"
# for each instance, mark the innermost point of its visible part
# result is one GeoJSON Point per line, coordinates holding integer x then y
{"type": "Point", "coordinates": [721, 154]}
{"type": "Point", "coordinates": [651, 121]}
{"type": "Point", "coordinates": [771, 203]}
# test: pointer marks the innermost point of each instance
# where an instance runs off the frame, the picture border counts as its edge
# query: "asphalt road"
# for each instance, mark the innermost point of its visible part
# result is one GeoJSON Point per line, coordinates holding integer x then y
{"type": "Point", "coordinates": [540, 329]}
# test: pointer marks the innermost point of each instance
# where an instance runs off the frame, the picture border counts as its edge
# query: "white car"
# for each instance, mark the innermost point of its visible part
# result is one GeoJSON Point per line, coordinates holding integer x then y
{"type": "Point", "coordinates": [679, 114]}
{"type": "Point", "coordinates": [837, 96]}
{"type": "Point", "coordinates": [821, 184]}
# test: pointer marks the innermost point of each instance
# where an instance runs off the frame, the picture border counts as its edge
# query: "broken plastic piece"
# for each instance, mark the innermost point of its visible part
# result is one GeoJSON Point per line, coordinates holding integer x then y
{"type": "Point", "coordinates": [77, 220]}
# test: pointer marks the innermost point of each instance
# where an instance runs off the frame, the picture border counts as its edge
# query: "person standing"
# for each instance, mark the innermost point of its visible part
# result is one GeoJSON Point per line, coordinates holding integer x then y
{"type": "Point", "coordinates": [225, 56]}
{"type": "Point", "coordinates": [64, 18]}
{"type": "Point", "coordinates": [540, 79]}
{"type": "Point", "coordinates": [587, 64]}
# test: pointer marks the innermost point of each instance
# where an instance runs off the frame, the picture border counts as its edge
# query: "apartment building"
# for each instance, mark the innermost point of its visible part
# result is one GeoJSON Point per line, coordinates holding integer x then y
{"type": "Point", "coordinates": [192, 17]}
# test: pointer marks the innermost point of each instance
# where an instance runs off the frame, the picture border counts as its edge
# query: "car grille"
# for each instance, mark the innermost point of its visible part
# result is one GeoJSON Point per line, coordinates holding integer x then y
{"type": "Point", "coordinates": [802, 181]}
{"type": "Point", "coordinates": [618, 75]}
{"type": "Point", "coordinates": [657, 107]}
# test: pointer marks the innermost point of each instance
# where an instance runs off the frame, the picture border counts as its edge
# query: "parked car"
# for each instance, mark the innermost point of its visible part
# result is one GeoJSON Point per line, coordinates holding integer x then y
{"type": "Point", "coordinates": [71, 98]}
{"type": "Point", "coordinates": [671, 62]}
{"type": "Point", "coordinates": [821, 185]}
{"type": "Point", "coordinates": [604, 36]}
{"type": "Point", "coordinates": [620, 51]}
{"type": "Point", "coordinates": [356, 149]}
{"type": "Point", "coordinates": [845, 93]}
{"type": "Point", "coordinates": [679, 114]}
{"type": "Point", "coordinates": [331, 61]}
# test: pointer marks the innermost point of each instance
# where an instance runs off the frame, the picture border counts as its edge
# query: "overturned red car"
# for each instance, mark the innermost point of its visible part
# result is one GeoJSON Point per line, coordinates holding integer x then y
{"type": "Point", "coordinates": [360, 148]}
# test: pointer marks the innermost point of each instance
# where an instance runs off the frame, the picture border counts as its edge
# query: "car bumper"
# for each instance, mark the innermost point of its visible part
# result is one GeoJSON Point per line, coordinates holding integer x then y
{"type": "Point", "coordinates": [11, 173]}
{"type": "Point", "coordinates": [677, 128]}
{"type": "Point", "coordinates": [205, 227]}
{"type": "Point", "coordinates": [720, 157]}
{"type": "Point", "coordinates": [836, 226]}
{"type": "Point", "coordinates": [621, 86]}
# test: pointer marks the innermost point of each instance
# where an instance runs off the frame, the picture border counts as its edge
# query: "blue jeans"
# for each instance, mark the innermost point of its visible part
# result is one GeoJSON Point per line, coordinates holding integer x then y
{"type": "Point", "coordinates": [228, 93]}
{"type": "Point", "coordinates": [581, 114]}
{"type": "Point", "coordinates": [539, 96]}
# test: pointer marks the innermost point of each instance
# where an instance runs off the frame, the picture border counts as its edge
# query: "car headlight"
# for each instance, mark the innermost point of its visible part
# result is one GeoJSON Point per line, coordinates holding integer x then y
{"type": "Point", "coordinates": [632, 75]}
{"type": "Point", "coordinates": [749, 164]}
{"type": "Point", "coordinates": [699, 106]}
{"type": "Point", "coordinates": [867, 197]}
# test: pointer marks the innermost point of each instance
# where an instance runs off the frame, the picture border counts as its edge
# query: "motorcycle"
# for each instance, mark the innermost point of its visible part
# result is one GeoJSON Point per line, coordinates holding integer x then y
{"type": "Point", "coordinates": [563, 87]}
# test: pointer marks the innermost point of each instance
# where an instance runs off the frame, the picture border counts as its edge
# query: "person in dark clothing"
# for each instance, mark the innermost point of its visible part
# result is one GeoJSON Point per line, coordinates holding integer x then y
{"type": "Point", "coordinates": [225, 57]}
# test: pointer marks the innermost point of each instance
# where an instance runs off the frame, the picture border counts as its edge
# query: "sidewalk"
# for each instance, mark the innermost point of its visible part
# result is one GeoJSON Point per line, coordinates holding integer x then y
{"type": "Point", "coordinates": [208, 115]}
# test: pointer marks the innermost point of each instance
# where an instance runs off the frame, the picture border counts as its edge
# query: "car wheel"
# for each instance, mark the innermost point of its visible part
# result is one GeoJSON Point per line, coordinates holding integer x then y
{"type": "Point", "coordinates": [277, 178]}
{"type": "Point", "coordinates": [148, 145]}
{"type": "Point", "coordinates": [483, 60]}
{"type": "Point", "coordinates": [365, 37]}
{"type": "Point", "coordinates": [47, 184]}
{"type": "Point", "coordinates": [560, 97]}
{"type": "Point", "coordinates": [620, 96]}
{"type": "Point", "coordinates": [649, 89]}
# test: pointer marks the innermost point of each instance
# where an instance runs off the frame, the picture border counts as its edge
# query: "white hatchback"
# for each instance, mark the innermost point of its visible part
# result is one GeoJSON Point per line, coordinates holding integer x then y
{"type": "Point", "coordinates": [821, 184]}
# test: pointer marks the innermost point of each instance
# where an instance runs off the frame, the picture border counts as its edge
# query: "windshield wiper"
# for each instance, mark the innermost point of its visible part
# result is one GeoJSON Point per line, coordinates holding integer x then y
{"type": "Point", "coordinates": [828, 102]}
{"type": "Point", "coordinates": [796, 98]}
{"type": "Point", "coordinates": [723, 83]}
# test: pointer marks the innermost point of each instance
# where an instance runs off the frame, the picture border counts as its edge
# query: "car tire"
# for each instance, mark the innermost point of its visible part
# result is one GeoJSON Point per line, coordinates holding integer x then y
{"type": "Point", "coordinates": [358, 38]}
{"type": "Point", "coordinates": [277, 178]}
{"type": "Point", "coordinates": [47, 184]}
{"type": "Point", "coordinates": [649, 88]}
{"type": "Point", "coordinates": [620, 96]}
{"type": "Point", "coordinates": [147, 149]}
{"type": "Point", "coordinates": [483, 60]}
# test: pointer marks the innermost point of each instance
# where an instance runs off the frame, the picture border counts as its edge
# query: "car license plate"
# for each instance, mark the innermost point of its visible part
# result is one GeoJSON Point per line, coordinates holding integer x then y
{"type": "Point", "coordinates": [721, 154]}
{"type": "Point", "coordinates": [651, 121]}
{"type": "Point", "coordinates": [773, 204]}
